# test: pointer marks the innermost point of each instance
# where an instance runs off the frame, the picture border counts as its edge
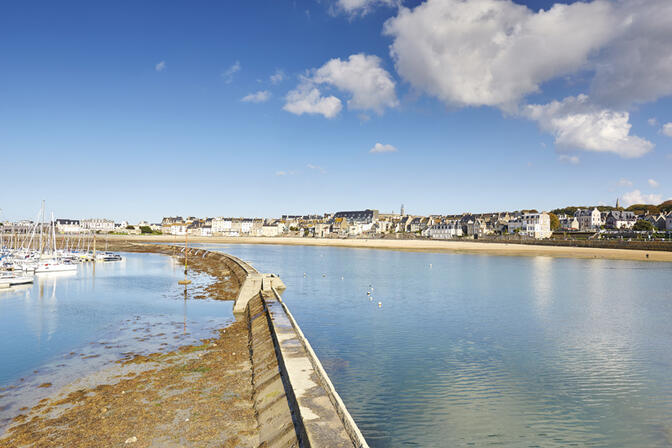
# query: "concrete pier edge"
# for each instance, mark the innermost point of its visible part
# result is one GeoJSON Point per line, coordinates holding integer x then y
{"type": "Point", "coordinates": [317, 411]}
{"type": "Point", "coordinates": [348, 422]}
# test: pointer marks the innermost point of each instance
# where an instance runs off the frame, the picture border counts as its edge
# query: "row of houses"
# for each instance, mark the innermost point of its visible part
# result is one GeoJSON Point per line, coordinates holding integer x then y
{"type": "Point", "coordinates": [372, 223]}
{"type": "Point", "coordinates": [594, 219]}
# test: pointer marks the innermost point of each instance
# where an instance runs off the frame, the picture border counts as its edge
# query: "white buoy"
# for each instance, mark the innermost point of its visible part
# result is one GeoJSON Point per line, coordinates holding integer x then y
{"type": "Point", "coordinates": [342, 278]}
{"type": "Point", "coordinates": [368, 293]}
{"type": "Point", "coordinates": [324, 275]}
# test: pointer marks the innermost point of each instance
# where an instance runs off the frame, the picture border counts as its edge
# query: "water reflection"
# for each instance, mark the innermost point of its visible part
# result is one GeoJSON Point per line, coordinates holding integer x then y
{"type": "Point", "coordinates": [64, 326]}
{"type": "Point", "coordinates": [480, 350]}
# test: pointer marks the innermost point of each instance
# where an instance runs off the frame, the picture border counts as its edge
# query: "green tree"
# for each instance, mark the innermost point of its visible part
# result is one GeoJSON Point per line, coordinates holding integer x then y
{"type": "Point", "coordinates": [145, 229]}
{"type": "Point", "coordinates": [130, 228]}
{"type": "Point", "coordinates": [643, 226]}
{"type": "Point", "coordinates": [555, 222]}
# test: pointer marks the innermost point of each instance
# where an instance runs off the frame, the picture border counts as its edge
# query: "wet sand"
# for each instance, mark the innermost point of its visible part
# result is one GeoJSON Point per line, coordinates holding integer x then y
{"type": "Point", "coordinates": [198, 395]}
{"type": "Point", "coordinates": [466, 247]}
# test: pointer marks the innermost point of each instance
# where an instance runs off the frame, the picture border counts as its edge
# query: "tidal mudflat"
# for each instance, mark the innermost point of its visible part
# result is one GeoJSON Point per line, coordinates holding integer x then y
{"type": "Point", "coordinates": [169, 369]}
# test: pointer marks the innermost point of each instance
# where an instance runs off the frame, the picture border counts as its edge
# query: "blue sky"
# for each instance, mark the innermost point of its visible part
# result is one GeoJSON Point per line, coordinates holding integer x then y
{"type": "Point", "coordinates": [135, 110]}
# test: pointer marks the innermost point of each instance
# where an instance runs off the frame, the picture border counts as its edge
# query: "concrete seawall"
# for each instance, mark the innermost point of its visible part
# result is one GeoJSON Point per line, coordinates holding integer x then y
{"type": "Point", "coordinates": [295, 401]}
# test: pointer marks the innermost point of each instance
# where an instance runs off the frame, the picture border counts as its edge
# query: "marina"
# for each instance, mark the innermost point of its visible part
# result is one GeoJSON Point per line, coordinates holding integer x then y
{"type": "Point", "coordinates": [37, 251]}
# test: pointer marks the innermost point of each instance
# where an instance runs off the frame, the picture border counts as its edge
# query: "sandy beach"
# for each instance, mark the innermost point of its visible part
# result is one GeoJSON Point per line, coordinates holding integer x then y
{"type": "Point", "coordinates": [465, 247]}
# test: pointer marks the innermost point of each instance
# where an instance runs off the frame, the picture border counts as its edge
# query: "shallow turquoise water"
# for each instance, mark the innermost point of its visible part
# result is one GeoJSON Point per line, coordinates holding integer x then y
{"type": "Point", "coordinates": [64, 326]}
{"type": "Point", "coordinates": [474, 350]}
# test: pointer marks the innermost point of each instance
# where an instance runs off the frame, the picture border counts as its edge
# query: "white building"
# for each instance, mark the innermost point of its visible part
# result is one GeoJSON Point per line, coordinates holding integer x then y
{"type": "Point", "coordinates": [322, 229]}
{"type": "Point", "coordinates": [270, 230]}
{"type": "Point", "coordinates": [221, 225]}
{"type": "Point", "coordinates": [178, 228]}
{"type": "Point", "coordinates": [246, 226]}
{"type": "Point", "coordinates": [588, 219]}
{"type": "Point", "coordinates": [96, 224]}
{"type": "Point", "coordinates": [447, 230]}
{"type": "Point", "coordinates": [68, 226]}
{"type": "Point", "coordinates": [535, 225]}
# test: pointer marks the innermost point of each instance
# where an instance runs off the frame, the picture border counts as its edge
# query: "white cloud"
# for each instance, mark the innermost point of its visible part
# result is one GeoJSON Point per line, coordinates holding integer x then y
{"type": "Point", "coordinates": [652, 121]}
{"type": "Point", "coordinates": [370, 85]}
{"type": "Point", "coordinates": [667, 129]}
{"type": "Point", "coordinates": [379, 147]}
{"type": "Point", "coordinates": [578, 124]}
{"type": "Point", "coordinates": [636, 66]}
{"type": "Point", "coordinates": [494, 52]}
{"type": "Point", "coordinates": [229, 72]}
{"type": "Point", "coordinates": [316, 168]}
{"type": "Point", "coordinates": [653, 183]}
{"type": "Point", "coordinates": [257, 97]}
{"type": "Point", "coordinates": [574, 160]}
{"type": "Point", "coordinates": [161, 66]}
{"type": "Point", "coordinates": [307, 99]}
{"type": "Point", "coordinates": [361, 7]}
{"type": "Point", "coordinates": [625, 182]}
{"type": "Point", "coordinates": [636, 197]}
{"type": "Point", "coordinates": [277, 77]}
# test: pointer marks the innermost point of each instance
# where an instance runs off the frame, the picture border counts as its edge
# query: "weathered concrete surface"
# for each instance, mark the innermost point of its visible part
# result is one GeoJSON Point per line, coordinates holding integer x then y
{"type": "Point", "coordinates": [325, 419]}
{"type": "Point", "coordinates": [296, 403]}
{"type": "Point", "coordinates": [277, 426]}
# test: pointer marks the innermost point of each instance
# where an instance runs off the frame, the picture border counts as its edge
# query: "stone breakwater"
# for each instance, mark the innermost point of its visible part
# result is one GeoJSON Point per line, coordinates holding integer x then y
{"type": "Point", "coordinates": [258, 384]}
{"type": "Point", "coordinates": [294, 398]}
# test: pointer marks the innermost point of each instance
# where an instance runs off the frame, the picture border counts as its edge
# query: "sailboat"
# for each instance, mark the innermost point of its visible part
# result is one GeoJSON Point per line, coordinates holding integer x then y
{"type": "Point", "coordinates": [51, 262]}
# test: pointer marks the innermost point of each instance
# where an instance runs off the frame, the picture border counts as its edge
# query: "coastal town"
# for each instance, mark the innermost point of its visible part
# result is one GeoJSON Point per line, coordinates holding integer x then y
{"type": "Point", "coordinates": [650, 221]}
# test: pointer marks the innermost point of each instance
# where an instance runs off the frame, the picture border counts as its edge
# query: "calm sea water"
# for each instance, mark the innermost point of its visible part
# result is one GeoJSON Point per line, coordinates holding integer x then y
{"type": "Point", "coordinates": [68, 325]}
{"type": "Point", "coordinates": [473, 350]}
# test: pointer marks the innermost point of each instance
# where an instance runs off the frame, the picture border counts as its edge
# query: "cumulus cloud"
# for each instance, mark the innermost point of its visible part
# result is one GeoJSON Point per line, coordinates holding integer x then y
{"type": "Point", "coordinates": [161, 66]}
{"type": "Point", "coordinates": [578, 124]}
{"type": "Point", "coordinates": [494, 52]}
{"type": "Point", "coordinates": [636, 197]}
{"type": "Point", "coordinates": [653, 183]}
{"type": "Point", "coordinates": [229, 72]}
{"type": "Point", "coordinates": [307, 99]}
{"type": "Point", "coordinates": [574, 160]}
{"type": "Point", "coordinates": [636, 65]}
{"type": "Point", "coordinates": [667, 129]}
{"type": "Point", "coordinates": [257, 97]}
{"type": "Point", "coordinates": [277, 77]}
{"type": "Point", "coordinates": [361, 7]}
{"type": "Point", "coordinates": [623, 182]}
{"type": "Point", "coordinates": [369, 85]}
{"type": "Point", "coordinates": [379, 147]}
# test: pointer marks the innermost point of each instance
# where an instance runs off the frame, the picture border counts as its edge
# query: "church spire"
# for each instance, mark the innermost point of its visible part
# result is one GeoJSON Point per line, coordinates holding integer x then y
{"type": "Point", "coordinates": [616, 202]}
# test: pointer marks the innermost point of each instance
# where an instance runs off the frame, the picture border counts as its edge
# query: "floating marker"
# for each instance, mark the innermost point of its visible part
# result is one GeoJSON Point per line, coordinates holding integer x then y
{"type": "Point", "coordinates": [380, 304]}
